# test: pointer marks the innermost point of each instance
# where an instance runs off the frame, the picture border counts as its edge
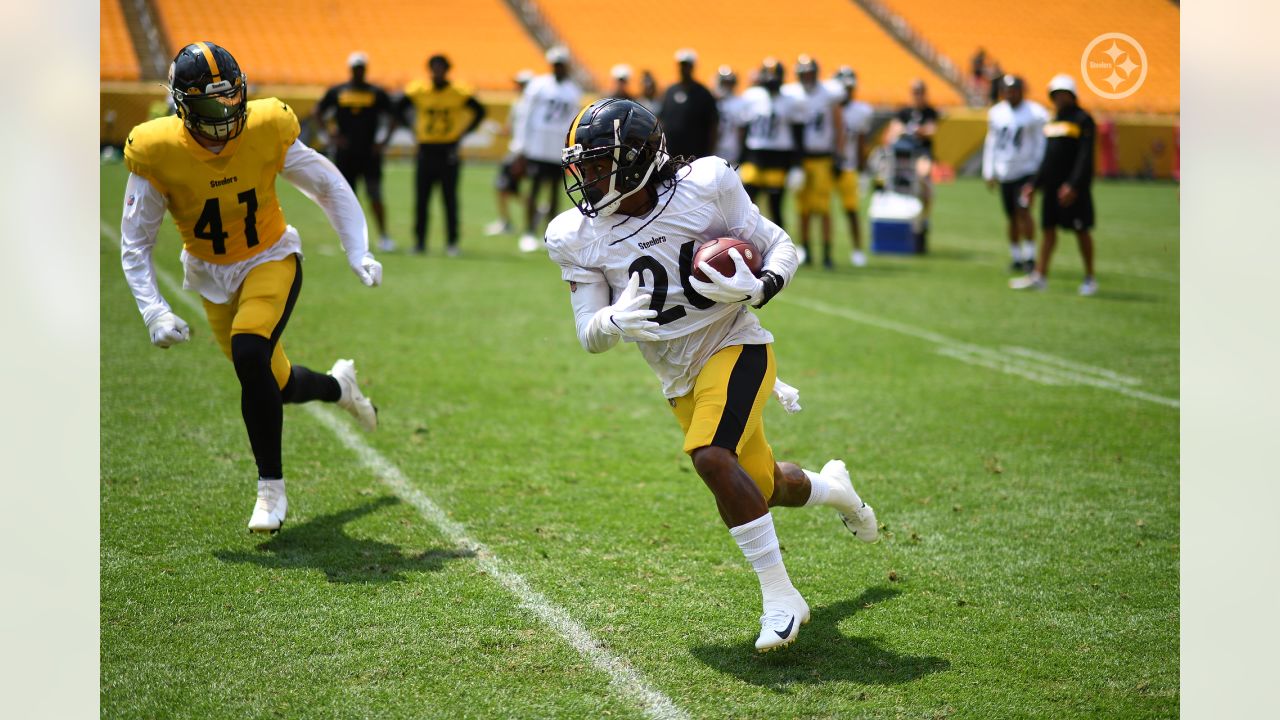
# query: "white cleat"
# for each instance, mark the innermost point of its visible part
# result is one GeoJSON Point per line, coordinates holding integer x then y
{"type": "Point", "coordinates": [352, 400]}
{"type": "Point", "coordinates": [269, 511]}
{"type": "Point", "coordinates": [858, 259]}
{"type": "Point", "coordinates": [386, 244]}
{"type": "Point", "coordinates": [860, 520]}
{"type": "Point", "coordinates": [1089, 287]}
{"type": "Point", "coordinates": [497, 227]}
{"type": "Point", "coordinates": [528, 243]}
{"type": "Point", "coordinates": [1034, 281]}
{"type": "Point", "coordinates": [780, 624]}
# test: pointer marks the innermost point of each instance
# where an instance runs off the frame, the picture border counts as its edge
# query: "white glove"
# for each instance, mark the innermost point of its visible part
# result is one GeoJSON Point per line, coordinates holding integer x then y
{"type": "Point", "coordinates": [743, 287]}
{"type": "Point", "coordinates": [630, 316]}
{"type": "Point", "coordinates": [788, 396]}
{"type": "Point", "coordinates": [795, 179]}
{"type": "Point", "coordinates": [368, 270]}
{"type": "Point", "coordinates": [168, 329]}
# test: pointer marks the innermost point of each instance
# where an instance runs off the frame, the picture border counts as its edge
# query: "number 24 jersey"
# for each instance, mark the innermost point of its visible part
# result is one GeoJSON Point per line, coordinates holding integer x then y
{"type": "Point", "coordinates": [708, 202]}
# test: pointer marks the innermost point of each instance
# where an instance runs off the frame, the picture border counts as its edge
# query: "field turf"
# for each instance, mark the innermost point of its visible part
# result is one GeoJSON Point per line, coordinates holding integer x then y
{"type": "Point", "coordinates": [1021, 452]}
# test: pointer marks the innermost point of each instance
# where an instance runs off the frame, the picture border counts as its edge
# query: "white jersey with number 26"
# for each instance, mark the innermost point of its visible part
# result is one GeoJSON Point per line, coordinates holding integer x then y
{"type": "Point", "coordinates": [708, 202]}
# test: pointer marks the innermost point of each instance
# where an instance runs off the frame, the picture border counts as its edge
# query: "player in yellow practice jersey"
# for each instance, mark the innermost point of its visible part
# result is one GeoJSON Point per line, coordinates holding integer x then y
{"type": "Point", "coordinates": [213, 166]}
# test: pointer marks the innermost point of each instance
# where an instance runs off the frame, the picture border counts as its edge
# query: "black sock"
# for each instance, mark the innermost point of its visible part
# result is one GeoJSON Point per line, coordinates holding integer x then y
{"type": "Point", "coordinates": [260, 401]}
{"type": "Point", "coordinates": [306, 385]}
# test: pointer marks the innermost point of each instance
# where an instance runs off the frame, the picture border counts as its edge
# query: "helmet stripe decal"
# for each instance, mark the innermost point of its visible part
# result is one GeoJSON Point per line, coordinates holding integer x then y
{"type": "Point", "coordinates": [208, 57]}
{"type": "Point", "coordinates": [573, 129]}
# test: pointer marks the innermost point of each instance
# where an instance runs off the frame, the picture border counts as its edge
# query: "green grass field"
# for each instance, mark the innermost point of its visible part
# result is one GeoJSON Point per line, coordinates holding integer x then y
{"type": "Point", "coordinates": [1021, 452]}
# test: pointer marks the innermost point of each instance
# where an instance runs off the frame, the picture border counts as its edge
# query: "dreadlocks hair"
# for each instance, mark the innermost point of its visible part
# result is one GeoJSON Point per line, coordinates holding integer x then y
{"type": "Point", "coordinates": [673, 170]}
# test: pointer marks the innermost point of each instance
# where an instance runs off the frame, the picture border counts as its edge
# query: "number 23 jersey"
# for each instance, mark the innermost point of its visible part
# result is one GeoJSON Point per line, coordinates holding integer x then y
{"type": "Point", "coordinates": [708, 202]}
{"type": "Point", "coordinates": [224, 204]}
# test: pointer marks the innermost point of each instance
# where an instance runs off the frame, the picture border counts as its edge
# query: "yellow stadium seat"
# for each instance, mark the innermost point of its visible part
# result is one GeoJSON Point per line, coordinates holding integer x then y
{"type": "Point", "coordinates": [116, 57]}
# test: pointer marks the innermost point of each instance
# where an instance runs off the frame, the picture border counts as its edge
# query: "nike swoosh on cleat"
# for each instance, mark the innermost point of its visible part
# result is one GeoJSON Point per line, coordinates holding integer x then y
{"type": "Point", "coordinates": [784, 633]}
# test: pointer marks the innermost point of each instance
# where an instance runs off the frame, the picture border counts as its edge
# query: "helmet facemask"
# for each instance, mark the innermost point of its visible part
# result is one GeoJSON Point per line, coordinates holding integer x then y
{"type": "Point", "coordinates": [215, 112]}
{"type": "Point", "coordinates": [597, 188]}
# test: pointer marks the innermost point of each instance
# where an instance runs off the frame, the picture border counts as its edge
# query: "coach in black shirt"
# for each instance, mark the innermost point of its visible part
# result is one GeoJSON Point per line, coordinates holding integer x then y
{"type": "Point", "coordinates": [1066, 178]}
{"type": "Point", "coordinates": [688, 113]}
{"type": "Point", "coordinates": [357, 108]}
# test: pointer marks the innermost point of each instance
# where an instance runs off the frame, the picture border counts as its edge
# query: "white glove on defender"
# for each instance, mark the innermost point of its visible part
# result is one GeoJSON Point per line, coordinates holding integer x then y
{"type": "Point", "coordinates": [168, 329]}
{"type": "Point", "coordinates": [368, 270]}
{"type": "Point", "coordinates": [788, 396]}
{"type": "Point", "coordinates": [743, 287]}
{"type": "Point", "coordinates": [626, 318]}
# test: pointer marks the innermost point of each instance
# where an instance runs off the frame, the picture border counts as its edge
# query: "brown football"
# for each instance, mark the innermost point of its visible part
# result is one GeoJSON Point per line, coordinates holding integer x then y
{"type": "Point", "coordinates": [716, 254]}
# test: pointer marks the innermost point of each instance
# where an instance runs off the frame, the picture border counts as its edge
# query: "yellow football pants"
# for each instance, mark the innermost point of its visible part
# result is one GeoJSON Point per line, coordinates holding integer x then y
{"type": "Point", "coordinates": [260, 307]}
{"type": "Point", "coordinates": [726, 409]}
{"type": "Point", "coordinates": [815, 196]}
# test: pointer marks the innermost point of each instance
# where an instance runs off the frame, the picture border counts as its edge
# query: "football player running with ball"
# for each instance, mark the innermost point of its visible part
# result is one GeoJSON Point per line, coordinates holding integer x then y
{"type": "Point", "coordinates": [213, 166]}
{"type": "Point", "coordinates": [627, 252]}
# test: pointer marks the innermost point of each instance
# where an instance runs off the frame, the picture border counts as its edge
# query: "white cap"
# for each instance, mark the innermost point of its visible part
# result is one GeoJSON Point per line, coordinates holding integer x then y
{"type": "Point", "coordinates": [620, 71]}
{"type": "Point", "coordinates": [524, 76]}
{"type": "Point", "coordinates": [686, 55]}
{"type": "Point", "coordinates": [557, 54]}
{"type": "Point", "coordinates": [1062, 81]}
{"type": "Point", "coordinates": [357, 59]}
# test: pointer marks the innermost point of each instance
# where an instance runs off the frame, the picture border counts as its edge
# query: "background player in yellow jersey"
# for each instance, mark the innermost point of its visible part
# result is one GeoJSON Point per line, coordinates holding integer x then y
{"type": "Point", "coordinates": [213, 166]}
{"type": "Point", "coordinates": [445, 112]}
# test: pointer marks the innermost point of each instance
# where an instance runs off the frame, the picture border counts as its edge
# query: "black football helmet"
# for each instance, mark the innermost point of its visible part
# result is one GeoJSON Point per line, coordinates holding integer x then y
{"type": "Point", "coordinates": [612, 150]}
{"type": "Point", "coordinates": [771, 75]}
{"type": "Point", "coordinates": [209, 91]}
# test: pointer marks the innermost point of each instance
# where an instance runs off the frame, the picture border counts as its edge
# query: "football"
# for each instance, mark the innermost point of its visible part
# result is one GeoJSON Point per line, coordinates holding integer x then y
{"type": "Point", "coordinates": [716, 254]}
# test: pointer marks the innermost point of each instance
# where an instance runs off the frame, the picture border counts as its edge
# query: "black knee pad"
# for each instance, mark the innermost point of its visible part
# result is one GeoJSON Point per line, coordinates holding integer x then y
{"type": "Point", "coordinates": [251, 355]}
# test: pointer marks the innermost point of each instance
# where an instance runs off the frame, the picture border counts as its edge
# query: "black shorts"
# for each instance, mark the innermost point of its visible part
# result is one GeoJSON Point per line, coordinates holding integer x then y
{"type": "Point", "coordinates": [1076, 216]}
{"type": "Point", "coordinates": [361, 164]}
{"type": "Point", "coordinates": [1010, 192]}
{"type": "Point", "coordinates": [539, 171]}
{"type": "Point", "coordinates": [507, 181]}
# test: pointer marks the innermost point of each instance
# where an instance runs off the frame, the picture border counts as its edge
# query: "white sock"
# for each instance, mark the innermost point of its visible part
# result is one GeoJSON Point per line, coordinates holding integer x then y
{"type": "Point", "coordinates": [276, 484]}
{"type": "Point", "coordinates": [1028, 249]}
{"type": "Point", "coordinates": [827, 491]}
{"type": "Point", "coordinates": [1015, 252]}
{"type": "Point", "coordinates": [759, 544]}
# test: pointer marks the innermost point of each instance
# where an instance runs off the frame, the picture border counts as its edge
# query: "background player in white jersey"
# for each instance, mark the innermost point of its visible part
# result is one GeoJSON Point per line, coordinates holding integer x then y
{"type": "Point", "coordinates": [507, 182]}
{"type": "Point", "coordinates": [773, 137]}
{"type": "Point", "coordinates": [1010, 157]}
{"type": "Point", "coordinates": [822, 144]}
{"type": "Point", "coordinates": [729, 139]}
{"type": "Point", "coordinates": [550, 102]}
{"type": "Point", "coordinates": [856, 117]}
{"type": "Point", "coordinates": [639, 218]}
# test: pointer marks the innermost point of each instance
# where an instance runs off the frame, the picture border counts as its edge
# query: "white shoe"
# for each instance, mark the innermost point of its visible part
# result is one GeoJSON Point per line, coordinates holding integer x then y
{"type": "Point", "coordinates": [452, 251]}
{"type": "Point", "coordinates": [860, 520]}
{"type": "Point", "coordinates": [528, 243]}
{"type": "Point", "coordinates": [352, 400]}
{"type": "Point", "coordinates": [780, 624]}
{"type": "Point", "coordinates": [497, 227]}
{"type": "Point", "coordinates": [1089, 287]}
{"type": "Point", "coordinates": [386, 244]}
{"type": "Point", "coordinates": [858, 259]}
{"type": "Point", "coordinates": [269, 511]}
{"type": "Point", "coordinates": [1032, 281]}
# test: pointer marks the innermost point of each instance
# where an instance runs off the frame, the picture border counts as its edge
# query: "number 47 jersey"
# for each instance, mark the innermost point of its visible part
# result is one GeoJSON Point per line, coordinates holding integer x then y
{"type": "Point", "coordinates": [706, 202]}
{"type": "Point", "coordinates": [224, 204]}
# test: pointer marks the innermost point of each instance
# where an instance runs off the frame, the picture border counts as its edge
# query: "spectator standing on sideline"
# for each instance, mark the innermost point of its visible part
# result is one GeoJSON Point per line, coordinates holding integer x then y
{"type": "Point", "coordinates": [621, 75]}
{"type": "Point", "coordinates": [730, 107]}
{"type": "Point", "coordinates": [649, 93]}
{"type": "Point", "coordinates": [551, 101]}
{"type": "Point", "coordinates": [507, 181]}
{"type": "Point", "coordinates": [1066, 177]}
{"type": "Point", "coordinates": [442, 108]}
{"type": "Point", "coordinates": [688, 113]}
{"type": "Point", "coordinates": [357, 108]}
{"type": "Point", "coordinates": [1011, 155]}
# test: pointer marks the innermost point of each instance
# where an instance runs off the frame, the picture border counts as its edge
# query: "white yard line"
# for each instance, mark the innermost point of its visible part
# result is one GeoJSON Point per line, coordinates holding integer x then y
{"type": "Point", "coordinates": [625, 680]}
{"type": "Point", "coordinates": [1029, 364]}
